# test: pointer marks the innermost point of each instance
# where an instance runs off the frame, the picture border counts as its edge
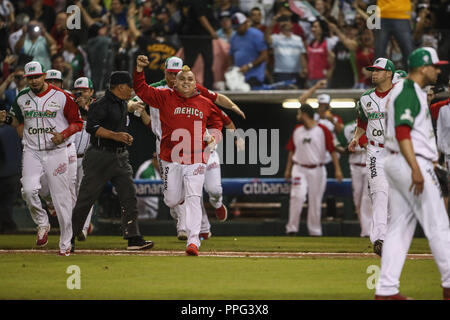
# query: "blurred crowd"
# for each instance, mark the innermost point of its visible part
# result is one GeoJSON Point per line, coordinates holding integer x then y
{"type": "Point", "coordinates": [273, 43]}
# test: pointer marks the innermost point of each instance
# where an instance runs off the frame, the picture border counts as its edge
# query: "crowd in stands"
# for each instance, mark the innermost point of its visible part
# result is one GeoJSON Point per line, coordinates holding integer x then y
{"type": "Point", "coordinates": [274, 43]}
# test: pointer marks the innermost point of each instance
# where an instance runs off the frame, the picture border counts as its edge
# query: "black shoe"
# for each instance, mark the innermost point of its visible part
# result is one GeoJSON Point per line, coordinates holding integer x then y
{"type": "Point", "coordinates": [138, 243]}
{"type": "Point", "coordinates": [377, 247]}
{"type": "Point", "coordinates": [72, 242]}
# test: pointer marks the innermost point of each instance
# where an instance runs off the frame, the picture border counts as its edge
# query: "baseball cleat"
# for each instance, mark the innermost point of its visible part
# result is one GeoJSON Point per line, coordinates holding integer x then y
{"type": "Point", "coordinates": [397, 296]}
{"type": "Point", "coordinates": [377, 247]}
{"type": "Point", "coordinates": [42, 236]}
{"type": "Point", "coordinates": [64, 253]}
{"type": "Point", "coordinates": [138, 243]}
{"type": "Point", "coordinates": [182, 235]}
{"type": "Point", "coordinates": [221, 213]}
{"type": "Point", "coordinates": [205, 235]}
{"type": "Point", "coordinates": [192, 250]}
{"type": "Point", "coordinates": [446, 293]}
{"type": "Point", "coordinates": [83, 235]}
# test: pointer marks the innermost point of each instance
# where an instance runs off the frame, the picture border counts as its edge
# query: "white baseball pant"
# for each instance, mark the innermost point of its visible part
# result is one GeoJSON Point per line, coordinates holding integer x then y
{"type": "Point", "coordinates": [427, 208]}
{"type": "Point", "coordinates": [378, 191]}
{"type": "Point", "coordinates": [311, 182]}
{"type": "Point", "coordinates": [185, 183]}
{"type": "Point", "coordinates": [55, 165]}
{"type": "Point", "coordinates": [213, 180]}
{"type": "Point", "coordinates": [361, 199]}
{"type": "Point", "coordinates": [79, 177]}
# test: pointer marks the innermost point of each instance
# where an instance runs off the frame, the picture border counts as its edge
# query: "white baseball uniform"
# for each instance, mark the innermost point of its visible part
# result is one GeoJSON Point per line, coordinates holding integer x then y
{"type": "Point", "coordinates": [443, 129]}
{"type": "Point", "coordinates": [360, 182]}
{"type": "Point", "coordinates": [309, 147]}
{"type": "Point", "coordinates": [408, 108]}
{"type": "Point", "coordinates": [50, 111]}
{"type": "Point", "coordinates": [371, 109]}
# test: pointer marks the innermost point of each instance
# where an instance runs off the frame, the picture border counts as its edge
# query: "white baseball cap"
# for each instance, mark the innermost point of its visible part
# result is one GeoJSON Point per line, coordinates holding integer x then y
{"type": "Point", "coordinates": [83, 83]}
{"type": "Point", "coordinates": [34, 68]}
{"type": "Point", "coordinates": [237, 19]}
{"type": "Point", "coordinates": [173, 64]}
{"type": "Point", "coordinates": [53, 74]}
{"type": "Point", "coordinates": [324, 98]}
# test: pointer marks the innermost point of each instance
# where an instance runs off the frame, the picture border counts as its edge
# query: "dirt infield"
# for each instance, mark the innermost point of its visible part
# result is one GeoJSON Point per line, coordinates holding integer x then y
{"type": "Point", "coordinates": [224, 254]}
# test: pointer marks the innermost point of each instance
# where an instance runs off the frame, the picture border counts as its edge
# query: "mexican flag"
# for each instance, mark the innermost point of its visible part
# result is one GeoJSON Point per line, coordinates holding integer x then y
{"type": "Point", "coordinates": [303, 9]}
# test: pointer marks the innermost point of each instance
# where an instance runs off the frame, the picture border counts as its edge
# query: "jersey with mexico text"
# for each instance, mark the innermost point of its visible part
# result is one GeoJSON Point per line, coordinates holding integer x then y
{"type": "Point", "coordinates": [408, 105]}
{"type": "Point", "coordinates": [51, 111]}
{"type": "Point", "coordinates": [371, 109]}
{"type": "Point", "coordinates": [310, 146]}
{"type": "Point", "coordinates": [190, 115]}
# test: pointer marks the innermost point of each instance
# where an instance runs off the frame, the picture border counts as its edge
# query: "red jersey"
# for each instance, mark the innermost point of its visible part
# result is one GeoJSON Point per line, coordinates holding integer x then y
{"type": "Point", "coordinates": [317, 60]}
{"type": "Point", "coordinates": [190, 115]}
{"type": "Point", "coordinates": [435, 107]}
{"type": "Point", "coordinates": [364, 59]}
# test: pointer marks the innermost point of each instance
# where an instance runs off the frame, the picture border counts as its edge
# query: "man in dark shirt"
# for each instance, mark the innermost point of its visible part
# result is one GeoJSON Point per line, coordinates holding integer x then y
{"type": "Point", "coordinates": [197, 32]}
{"type": "Point", "coordinates": [107, 160]}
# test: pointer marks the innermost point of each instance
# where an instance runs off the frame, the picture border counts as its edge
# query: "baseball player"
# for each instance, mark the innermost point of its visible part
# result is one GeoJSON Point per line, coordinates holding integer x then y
{"type": "Point", "coordinates": [360, 182]}
{"type": "Point", "coordinates": [398, 75]}
{"type": "Point", "coordinates": [414, 194]}
{"type": "Point", "coordinates": [172, 67]}
{"type": "Point", "coordinates": [371, 109]}
{"type": "Point", "coordinates": [83, 90]}
{"type": "Point", "coordinates": [49, 117]}
{"type": "Point", "coordinates": [305, 167]}
{"type": "Point", "coordinates": [54, 77]}
{"type": "Point", "coordinates": [184, 143]}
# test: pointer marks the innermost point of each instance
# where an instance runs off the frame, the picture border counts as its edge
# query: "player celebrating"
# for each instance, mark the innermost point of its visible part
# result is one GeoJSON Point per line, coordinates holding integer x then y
{"type": "Point", "coordinates": [49, 117]}
{"type": "Point", "coordinates": [371, 112]}
{"type": "Point", "coordinates": [414, 193]}
{"type": "Point", "coordinates": [183, 116]}
{"type": "Point", "coordinates": [307, 147]}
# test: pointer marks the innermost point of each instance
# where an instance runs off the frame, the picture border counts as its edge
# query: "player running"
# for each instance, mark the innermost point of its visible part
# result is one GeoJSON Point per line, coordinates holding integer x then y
{"type": "Point", "coordinates": [371, 109]}
{"type": "Point", "coordinates": [48, 116]}
{"type": "Point", "coordinates": [414, 194]}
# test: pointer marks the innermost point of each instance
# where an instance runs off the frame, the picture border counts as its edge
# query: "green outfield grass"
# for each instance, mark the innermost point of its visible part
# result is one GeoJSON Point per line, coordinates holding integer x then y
{"type": "Point", "coordinates": [43, 276]}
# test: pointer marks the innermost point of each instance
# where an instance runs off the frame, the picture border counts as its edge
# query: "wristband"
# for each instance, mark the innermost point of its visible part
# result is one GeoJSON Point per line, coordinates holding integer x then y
{"type": "Point", "coordinates": [250, 65]}
{"type": "Point", "coordinates": [8, 119]}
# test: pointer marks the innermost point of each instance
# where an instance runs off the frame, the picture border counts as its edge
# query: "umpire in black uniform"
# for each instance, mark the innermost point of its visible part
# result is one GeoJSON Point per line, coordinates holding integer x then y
{"type": "Point", "coordinates": [107, 160]}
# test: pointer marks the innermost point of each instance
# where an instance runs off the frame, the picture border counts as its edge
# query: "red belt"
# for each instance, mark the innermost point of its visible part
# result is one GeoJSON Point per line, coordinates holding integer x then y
{"type": "Point", "coordinates": [359, 164]}
{"type": "Point", "coordinates": [311, 166]}
{"type": "Point", "coordinates": [376, 144]}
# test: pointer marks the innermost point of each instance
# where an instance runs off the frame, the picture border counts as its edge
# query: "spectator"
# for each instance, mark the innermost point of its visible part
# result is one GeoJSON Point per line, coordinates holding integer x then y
{"type": "Point", "coordinates": [7, 11]}
{"type": "Point", "coordinates": [4, 45]}
{"type": "Point", "coordinates": [117, 15]}
{"type": "Point", "coordinates": [283, 9]}
{"type": "Point", "coordinates": [10, 88]}
{"type": "Point", "coordinates": [197, 34]}
{"type": "Point", "coordinates": [289, 53]}
{"type": "Point", "coordinates": [73, 55]}
{"type": "Point", "coordinates": [96, 9]}
{"type": "Point", "coordinates": [226, 32]}
{"type": "Point", "coordinates": [343, 75]}
{"type": "Point", "coordinates": [21, 20]}
{"type": "Point", "coordinates": [225, 6]}
{"type": "Point", "coordinates": [395, 20]}
{"type": "Point", "coordinates": [42, 13]}
{"type": "Point", "coordinates": [36, 42]}
{"type": "Point", "coordinates": [164, 20]}
{"type": "Point", "coordinates": [58, 63]}
{"type": "Point", "coordinates": [256, 19]}
{"type": "Point", "coordinates": [320, 56]}
{"type": "Point", "coordinates": [99, 52]}
{"type": "Point", "coordinates": [424, 34]}
{"type": "Point", "coordinates": [248, 50]}
{"type": "Point", "coordinates": [59, 30]}
{"type": "Point", "coordinates": [364, 56]}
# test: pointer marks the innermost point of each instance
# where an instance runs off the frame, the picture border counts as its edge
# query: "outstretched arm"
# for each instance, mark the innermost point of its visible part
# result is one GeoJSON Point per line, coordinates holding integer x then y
{"type": "Point", "coordinates": [308, 93]}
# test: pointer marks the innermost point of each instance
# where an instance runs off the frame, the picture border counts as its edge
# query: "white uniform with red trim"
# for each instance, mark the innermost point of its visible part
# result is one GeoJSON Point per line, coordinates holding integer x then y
{"type": "Point", "coordinates": [309, 147]}
{"type": "Point", "coordinates": [360, 182]}
{"type": "Point", "coordinates": [51, 111]}
{"type": "Point", "coordinates": [371, 117]}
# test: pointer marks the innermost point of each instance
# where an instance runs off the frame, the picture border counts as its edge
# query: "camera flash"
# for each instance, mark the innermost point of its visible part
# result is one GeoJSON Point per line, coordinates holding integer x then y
{"type": "Point", "coordinates": [36, 29]}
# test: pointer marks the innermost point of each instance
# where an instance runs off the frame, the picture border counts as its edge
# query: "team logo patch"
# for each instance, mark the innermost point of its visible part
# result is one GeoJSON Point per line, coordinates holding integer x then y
{"type": "Point", "coordinates": [62, 168]}
{"type": "Point", "coordinates": [199, 170]}
{"type": "Point", "coordinates": [369, 105]}
{"type": "Point", "coordinates": [306, 140]}
{"type": "Point", "coordinates": [296, 181]}
{"type": "Point", "coordinates": [407, 116]}
{"type": "Point", "coordinates": [27, 103]}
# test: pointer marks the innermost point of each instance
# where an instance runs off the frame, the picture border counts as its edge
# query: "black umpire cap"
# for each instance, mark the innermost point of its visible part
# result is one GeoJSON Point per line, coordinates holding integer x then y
{"type": "Point", "coordinates": [120, 77]}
